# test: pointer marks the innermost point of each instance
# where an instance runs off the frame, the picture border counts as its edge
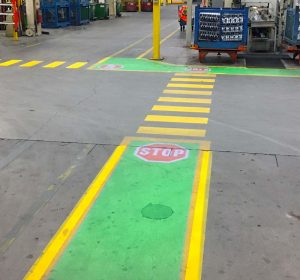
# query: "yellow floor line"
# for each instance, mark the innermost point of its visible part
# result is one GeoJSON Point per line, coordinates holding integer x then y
{"type": "Point", "coordinates": [181, 109]}
{"type": "Point", "coordinates": [126, 48]}
{"type": "Point", "coordinates": [193, 269]}
{"type": "Point", "coordinates": [195, 75]}
{"type": "Point", "coordinates": [54, 248]}
{"type": "Point", "coordinates": [31, 63]}
{"type": "Point", "coordinates": [195, 80]}
{"type": "Point", "coordinates": [176, 85]}
{"type": "Point", "coordinates": [187, 92]}
{"type": "Point", "coordinates": [54, 64]}
{"type": "Point", "coordinates": [185, 100]}
{"type": "Point", "coordinates": [76, 65]}
{"type": "Point", "coordinates": [161, 42]}
{"type": "Point", "coordinates": [175, 119]}
{"type": "Point", "coordinates": [10, 62]}
{"type": "Point", "coordinates": [172, 131]}
{"type": "Point", "coordinates": [102, 60]}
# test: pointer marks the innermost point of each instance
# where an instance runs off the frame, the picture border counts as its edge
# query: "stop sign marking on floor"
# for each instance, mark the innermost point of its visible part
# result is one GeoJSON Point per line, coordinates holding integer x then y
{"type": "Point", "coordinates": [160, 152]}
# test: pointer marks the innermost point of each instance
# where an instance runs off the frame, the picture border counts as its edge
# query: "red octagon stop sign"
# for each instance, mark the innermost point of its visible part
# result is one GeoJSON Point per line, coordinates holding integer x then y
{"type": "Point", "coordinates": [164, 153]}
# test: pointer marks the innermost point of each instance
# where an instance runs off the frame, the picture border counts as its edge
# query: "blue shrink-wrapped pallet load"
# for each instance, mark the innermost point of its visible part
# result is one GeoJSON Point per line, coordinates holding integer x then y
{"type": "Point", "coordinates": [55, 13]}
{"type": "Point", "coordinates": [292, 27]}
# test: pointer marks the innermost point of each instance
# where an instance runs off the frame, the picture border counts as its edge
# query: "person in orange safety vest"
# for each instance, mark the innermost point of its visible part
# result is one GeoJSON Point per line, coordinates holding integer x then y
{"type": "Point", "coordinates": [182, 17]}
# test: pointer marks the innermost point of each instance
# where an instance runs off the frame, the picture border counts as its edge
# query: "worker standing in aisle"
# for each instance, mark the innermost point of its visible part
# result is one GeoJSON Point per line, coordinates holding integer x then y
{"type": "Point", "coordinates": [182, 17]}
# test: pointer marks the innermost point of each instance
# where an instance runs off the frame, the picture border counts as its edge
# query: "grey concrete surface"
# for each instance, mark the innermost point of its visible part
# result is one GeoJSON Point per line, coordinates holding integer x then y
{"type": "Point", "coordinates": [91, 42]}
{"type": "Point", "coordinates": [253, 225]}
{"type": "Point", "coordinates": [58, 127]}
{"type": "Point", "coordinates": [42, 176]}
{"type": "Point", "coordinates": [37, 191]}
{"type": "Point", "coordinates": [259, 113]}
{"type": "Point", "coordinates": [85, 107]}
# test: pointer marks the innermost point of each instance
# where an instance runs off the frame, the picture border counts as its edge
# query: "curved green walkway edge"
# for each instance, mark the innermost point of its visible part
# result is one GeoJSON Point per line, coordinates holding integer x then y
{"type": "Point", "coordinates": [145, 65]}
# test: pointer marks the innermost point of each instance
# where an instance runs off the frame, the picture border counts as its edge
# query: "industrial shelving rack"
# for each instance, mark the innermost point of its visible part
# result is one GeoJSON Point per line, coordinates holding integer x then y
{"type": "Point", "coordinates": [263, 23]}
{"type": "Point", "coordinates": [292, 27]}
{"type": "Point", "coordinates": [10, 9]}
{"type": "Point", "coordinates": [292, 31]}
{"type": "Point", "coordinates": [220, 30]}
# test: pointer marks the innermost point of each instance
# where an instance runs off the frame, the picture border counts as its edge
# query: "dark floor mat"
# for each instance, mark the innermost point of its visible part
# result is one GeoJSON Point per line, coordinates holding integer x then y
{"type": "Point", "coordinates": [264, 62]}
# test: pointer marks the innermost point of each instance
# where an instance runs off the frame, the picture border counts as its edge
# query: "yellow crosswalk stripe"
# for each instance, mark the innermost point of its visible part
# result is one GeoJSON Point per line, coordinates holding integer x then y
{"type": "Point", "coordinates": [10, 62]}
{"type": "Point", "coordinates": [54, 64]}
{"type": "Point", "coordinates": [175, 119]}
{"type": "Point", "coordinates": [188, 92]}
{"type": "Point", "coordinates": [181, 109]}
{"type": "Point", "coordinates": [31, 63]}
{"type": "Point", "coordinates": [185, 100]}
{"type": "Point", "coordinates": [176, 85]}
{"type": "Point", "coordinates": [195, 75]}
{"type": "Point", "coordinates": [76, 65]}
{"type": "Point", "coordinates": [172, 131]}
{"type": "Point", "coordinates": [197, 80]}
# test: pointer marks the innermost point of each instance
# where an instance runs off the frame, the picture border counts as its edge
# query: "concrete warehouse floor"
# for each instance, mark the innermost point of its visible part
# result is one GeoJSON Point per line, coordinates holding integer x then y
{"type": "Point", "coordinates": [58, 127]}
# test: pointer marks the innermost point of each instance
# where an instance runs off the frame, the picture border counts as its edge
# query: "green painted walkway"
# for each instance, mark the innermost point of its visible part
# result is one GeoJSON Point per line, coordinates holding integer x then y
{"type": "Point", "coordinates": [137, 227]}
{"type": "Point", "coordinates": [145, 65]}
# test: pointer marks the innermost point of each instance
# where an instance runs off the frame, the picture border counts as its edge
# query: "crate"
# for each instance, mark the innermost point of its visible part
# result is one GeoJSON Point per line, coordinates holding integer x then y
{"type": "Point", "coordinates": [54, 17]}
{"type": "Point", "coordinates": [292, 27]}
{"type": "Point", "coordinates": [79, 2]}
{"type": "Point", "coordinates": [119, 8]}
{"type": "Point", "coordinates": [53, 3]}
{"type": "Point", "coordinates": [79, 14]}
{"type": "Point", "coordinates": [93, 11]}
{"type": "Point", "coordinates": [220, 28]}
{"type": "Point", "coordinates": [102, 11]}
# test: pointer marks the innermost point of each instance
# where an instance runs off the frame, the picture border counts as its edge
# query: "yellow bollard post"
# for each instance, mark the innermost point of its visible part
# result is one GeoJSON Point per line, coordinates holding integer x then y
{"type": "Point", "coordinates": [139, 5]}
{"type": "Point", "coordinates": [16, 37]}
{"type": "Point", "coordinates": [156, 30]}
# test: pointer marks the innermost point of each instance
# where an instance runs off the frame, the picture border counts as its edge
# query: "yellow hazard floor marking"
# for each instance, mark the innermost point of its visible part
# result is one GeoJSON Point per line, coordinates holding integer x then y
{"type": "Point", "coordinates": [126, 48]}
{"type": "Point", "coordinates": [195, 75]}
{"type": "Point", "coordinates": [176, 85]}
{"type": "Point", "coordinates": [193, 80]}
{"type": "Point", "coordinates": [193, 269]}
{"type": "Point", "coordinates": [54, 64]}
{"type": "Point", "coordinates": [76, 65]}
{"type": "Point", "coordinates": [161, 42]}
{"type": "Point", "coordinates": [10, 62]}
{"type": "Point", "coordinates": [181, 109]}
{"type": "Point", "coordinates": [188, 92]}
{"type": "Point", "coordinates": [66, 231]}
{"type": "Point", "coordinates": [31, 63]}
{"type": "Point", "coordinates": [175, 119]}
{"type": "Point", "coordinates": [172, 131]}
{"type": "Point", "coordinates": [185, 100]}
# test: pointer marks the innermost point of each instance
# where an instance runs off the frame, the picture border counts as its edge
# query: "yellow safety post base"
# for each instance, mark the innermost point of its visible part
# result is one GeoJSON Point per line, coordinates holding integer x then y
{"type": "Point", "coordinates": [16, 37]}
{"type": "Point", "coordinates": [156, 30]}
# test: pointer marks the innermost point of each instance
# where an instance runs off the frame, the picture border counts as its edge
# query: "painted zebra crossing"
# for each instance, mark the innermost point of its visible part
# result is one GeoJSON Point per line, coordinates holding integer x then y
{"type": "Point", "coordinates": [44, 64]}
{"type": "Point", "coordinates": [181, 107]}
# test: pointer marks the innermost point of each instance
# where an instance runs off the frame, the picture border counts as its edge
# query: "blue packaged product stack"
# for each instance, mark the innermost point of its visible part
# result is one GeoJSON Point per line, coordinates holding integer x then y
{"type": "Point", "coordinates": [55, 13]}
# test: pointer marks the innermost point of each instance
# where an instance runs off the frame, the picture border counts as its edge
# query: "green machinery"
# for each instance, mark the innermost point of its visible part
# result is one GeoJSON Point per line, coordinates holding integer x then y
{"type": "Point", "coordinates": [98, 10]}
{"type": "Point", "coordinates": [92, 11]}
{"type": "Point", "coordinates": [101, 10]}
{"type": "Point", "coordinates": [119, 8]}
